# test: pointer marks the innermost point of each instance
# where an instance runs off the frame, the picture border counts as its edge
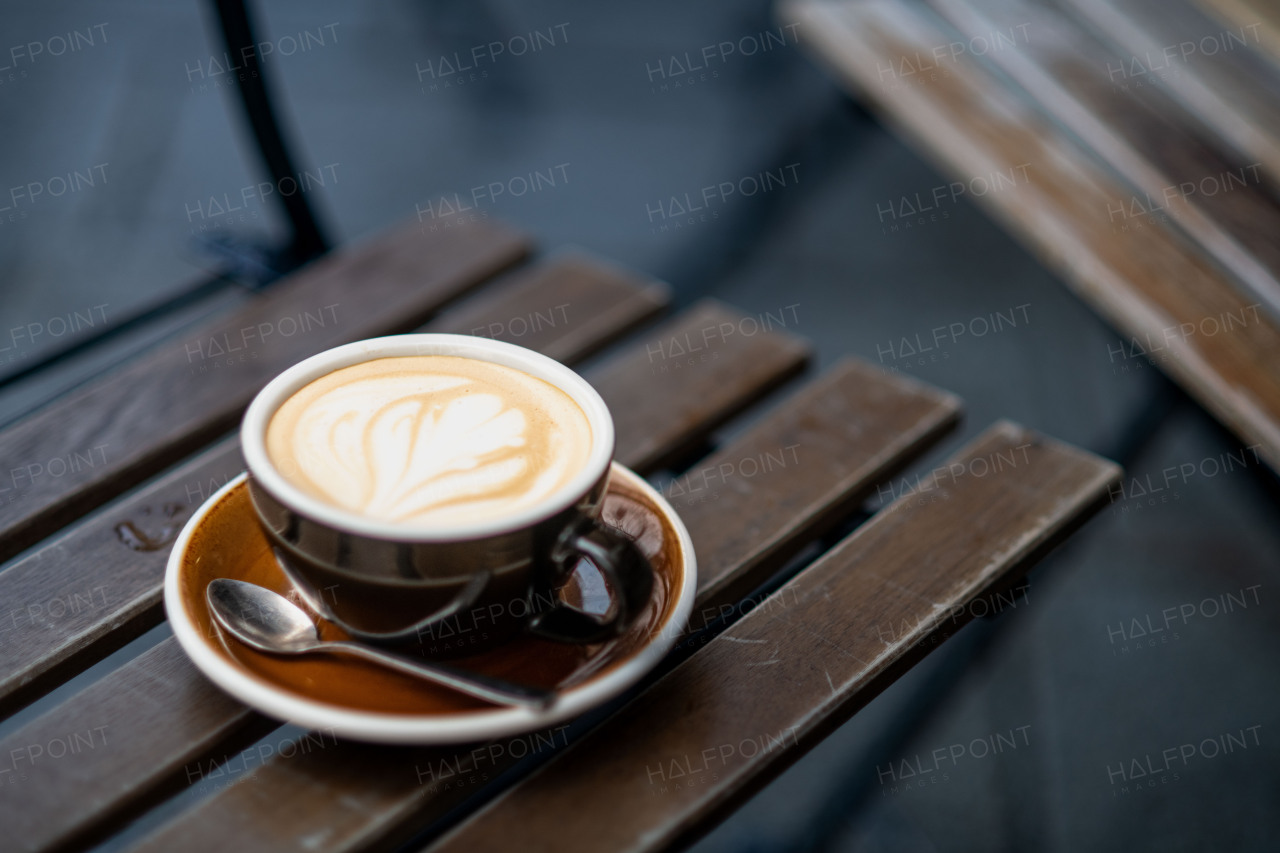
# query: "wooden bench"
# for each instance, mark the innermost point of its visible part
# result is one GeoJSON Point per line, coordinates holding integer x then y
{"type": "Point", "coordinates": [779, 670]}
{"type": "Point", "coordinates": [1134, 145]}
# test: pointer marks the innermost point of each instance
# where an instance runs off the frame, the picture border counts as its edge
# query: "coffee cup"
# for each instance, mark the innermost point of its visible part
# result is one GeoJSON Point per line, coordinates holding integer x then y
{"type": "Point", "coordinates": [437, 492]}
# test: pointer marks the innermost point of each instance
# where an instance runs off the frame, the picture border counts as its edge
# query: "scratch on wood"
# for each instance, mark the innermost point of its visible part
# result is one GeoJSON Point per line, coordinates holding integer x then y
{"type": "Point", "coordinates": [827, 642]}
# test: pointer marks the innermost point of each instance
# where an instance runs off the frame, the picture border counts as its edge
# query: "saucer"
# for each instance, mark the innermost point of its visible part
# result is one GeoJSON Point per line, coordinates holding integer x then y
{"type": "Point", "coordinates": [363, 701]}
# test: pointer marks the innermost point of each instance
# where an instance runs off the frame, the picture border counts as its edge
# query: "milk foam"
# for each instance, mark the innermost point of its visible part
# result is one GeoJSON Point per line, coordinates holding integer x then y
{"type": "Point", "coordinates": [429, 440]}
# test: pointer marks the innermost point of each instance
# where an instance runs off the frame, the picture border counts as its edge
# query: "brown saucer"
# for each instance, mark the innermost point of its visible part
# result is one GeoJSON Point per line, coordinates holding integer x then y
{"type": "Point", "coordinates": [223, 539]}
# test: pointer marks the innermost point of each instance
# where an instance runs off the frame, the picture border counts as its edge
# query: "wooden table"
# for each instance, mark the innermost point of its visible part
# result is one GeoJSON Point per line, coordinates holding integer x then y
{"type": "Point", "coordinates": [1134, 145]}
{"type": "Point", "coordinates": [780, 651]}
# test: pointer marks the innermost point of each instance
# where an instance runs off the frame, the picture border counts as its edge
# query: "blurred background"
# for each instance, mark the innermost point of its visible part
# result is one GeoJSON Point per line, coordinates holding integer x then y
{"type": "Point", "coordinates": [160, 206]}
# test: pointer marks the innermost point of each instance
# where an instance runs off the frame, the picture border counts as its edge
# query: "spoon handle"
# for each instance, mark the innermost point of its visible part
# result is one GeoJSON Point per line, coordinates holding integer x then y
{"type": "Point", "coordinates": [471, 683]}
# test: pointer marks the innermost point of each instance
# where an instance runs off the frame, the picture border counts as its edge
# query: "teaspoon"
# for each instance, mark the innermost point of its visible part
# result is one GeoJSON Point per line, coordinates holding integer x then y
{"type": "Point", "coordinates": [269, 622]}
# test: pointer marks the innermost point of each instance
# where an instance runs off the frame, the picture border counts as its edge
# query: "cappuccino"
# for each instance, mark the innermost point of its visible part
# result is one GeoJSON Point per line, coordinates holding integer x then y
{"type": "Point", "coordinates": [429, 440]}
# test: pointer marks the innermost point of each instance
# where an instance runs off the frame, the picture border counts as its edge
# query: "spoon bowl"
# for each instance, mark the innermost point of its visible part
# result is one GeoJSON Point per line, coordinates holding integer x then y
{"type": "Point", "coordinates": [261, 618]}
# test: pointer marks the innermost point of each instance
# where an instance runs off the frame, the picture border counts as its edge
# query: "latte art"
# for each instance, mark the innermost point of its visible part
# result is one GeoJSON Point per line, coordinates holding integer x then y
{"type": "Point", "coordinates": [429, 440]}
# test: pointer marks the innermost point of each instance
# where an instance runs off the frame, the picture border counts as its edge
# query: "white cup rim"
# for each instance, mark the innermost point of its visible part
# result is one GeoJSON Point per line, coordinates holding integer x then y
{"type": "Point", "coordinates": [253, 431]}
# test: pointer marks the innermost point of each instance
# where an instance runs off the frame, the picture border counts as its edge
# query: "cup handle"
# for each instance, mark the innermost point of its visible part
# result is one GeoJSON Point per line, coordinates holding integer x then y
{"type": "Point", "coordinates": [625, 570]}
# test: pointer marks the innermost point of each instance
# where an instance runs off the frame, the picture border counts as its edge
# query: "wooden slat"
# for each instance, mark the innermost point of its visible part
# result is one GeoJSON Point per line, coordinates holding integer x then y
{"type": "Point", "coordinates": [656, 774]}
{"type": "Point", "coordinates": [754, 503]}
{"type": "Point", "coordinates": [710, 353]}
{"type": "Point", "coordinates": [126, 745]}
{"type": "Point", "coordinates": [849, 429]}
{"type": "Point", "coordinates": [99, 440]}
{"type": "Point", "coordinates": [1147, 281]}
{"type": "Point", "coordinates": [99, 585]}
{"type": "Point", "coordinates": [583, 286]}
{"type": "Point", "coordinates": [1234, 91]}
{"type": "Point", "coordinates": [1145, 135]}
{"type": "Point", "coordinates": [164, 751]}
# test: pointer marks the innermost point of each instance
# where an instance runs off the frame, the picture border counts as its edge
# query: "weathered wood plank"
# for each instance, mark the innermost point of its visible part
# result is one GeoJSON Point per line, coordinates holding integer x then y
{"type": "Point", "coordinates": [543, 308]}
{"type": "Point", "coordinates": [799, 472]}
{"type": "Point", "coordinates": [1148, 282]}
{"type": "Point", "coordinates": [111, 745]}
{"type": "Point", "coordinates": [849, 429]}
{"type": "Point", "coordinates": [98, 441]}
{"type": "Point", "coordinates": [659, 772]}
{"type": "Point", "coordinates": [99, 585]}
{"type": "Point", "coordinates": [711, 353]}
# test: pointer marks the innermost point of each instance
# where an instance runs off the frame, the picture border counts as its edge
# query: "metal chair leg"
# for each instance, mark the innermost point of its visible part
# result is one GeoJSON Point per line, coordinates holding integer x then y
{"type": "Point", "coordinates": [308, 238]}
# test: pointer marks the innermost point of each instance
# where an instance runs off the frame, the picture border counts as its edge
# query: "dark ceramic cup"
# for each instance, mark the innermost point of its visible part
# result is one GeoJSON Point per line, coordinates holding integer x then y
{"type": "Point", "coordinates": [467, 587]}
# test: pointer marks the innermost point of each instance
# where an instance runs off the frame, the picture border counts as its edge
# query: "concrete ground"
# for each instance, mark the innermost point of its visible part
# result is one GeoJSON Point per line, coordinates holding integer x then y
{"type": "Point", "coordinates": [1065, 676]}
